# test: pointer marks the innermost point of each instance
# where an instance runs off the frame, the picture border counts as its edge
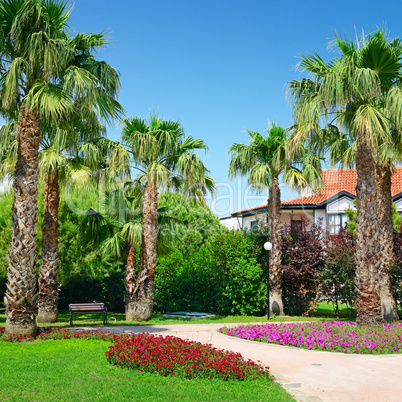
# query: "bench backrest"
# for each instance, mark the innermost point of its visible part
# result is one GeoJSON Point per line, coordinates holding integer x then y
{"type": "Point", "coordinates": [87, 306]}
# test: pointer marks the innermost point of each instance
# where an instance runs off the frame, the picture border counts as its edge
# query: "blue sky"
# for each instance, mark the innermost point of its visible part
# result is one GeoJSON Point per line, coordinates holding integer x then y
{"type": "Point", "coordinates": [220, 66]}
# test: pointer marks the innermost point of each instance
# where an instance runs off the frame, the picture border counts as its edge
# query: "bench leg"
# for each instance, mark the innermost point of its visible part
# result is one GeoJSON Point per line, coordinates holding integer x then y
{"type": "Point", "coordinates": [105, 319]}
{"type": "Point", "coordinates": [71, 320]}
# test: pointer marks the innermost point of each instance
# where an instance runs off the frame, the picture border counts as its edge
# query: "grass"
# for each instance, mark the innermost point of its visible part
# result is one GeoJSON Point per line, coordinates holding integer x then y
{"type": "Point", "coordinates": [78, 370]}
{"type": "Point", "coordinates": [323, 312]}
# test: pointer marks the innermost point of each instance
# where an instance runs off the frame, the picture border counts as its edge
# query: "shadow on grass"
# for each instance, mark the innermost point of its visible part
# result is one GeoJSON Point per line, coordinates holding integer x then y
{"type": "Point", "coordinates": [327, 310]}
{"type": "Point", "coordinates": [323, 312]}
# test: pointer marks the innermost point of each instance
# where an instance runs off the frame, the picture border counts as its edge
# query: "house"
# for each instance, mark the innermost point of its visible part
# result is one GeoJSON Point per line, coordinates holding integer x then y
{"type": "Point", "coordinates": [326, 207]}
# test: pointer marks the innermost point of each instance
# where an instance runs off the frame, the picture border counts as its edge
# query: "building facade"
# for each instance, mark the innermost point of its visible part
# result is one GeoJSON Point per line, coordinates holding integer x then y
{"type": "Point", "coordinates": [326, 207]}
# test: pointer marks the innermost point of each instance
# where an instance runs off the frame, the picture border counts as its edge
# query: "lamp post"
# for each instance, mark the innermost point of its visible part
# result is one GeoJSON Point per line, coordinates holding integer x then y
{"type": "Point", "coordinates": [268, 248]}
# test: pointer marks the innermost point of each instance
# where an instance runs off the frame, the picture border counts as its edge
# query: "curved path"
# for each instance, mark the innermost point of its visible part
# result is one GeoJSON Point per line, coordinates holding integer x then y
{"type": "Point", "coordinates": [308, 375]}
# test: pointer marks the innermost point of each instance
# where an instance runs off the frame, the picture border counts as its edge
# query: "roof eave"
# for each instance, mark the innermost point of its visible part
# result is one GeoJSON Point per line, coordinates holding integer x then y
{"type": "Point", "coordinates": [249, 212]}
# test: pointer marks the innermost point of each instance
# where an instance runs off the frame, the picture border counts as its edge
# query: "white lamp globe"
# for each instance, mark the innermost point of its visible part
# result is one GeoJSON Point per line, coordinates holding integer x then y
{"type": "Point", "coordinates": [268, 246]}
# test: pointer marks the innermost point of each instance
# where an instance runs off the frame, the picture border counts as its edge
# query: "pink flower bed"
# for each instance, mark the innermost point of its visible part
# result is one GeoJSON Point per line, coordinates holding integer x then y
{"type": "Point", "coordinates": [333, 336]}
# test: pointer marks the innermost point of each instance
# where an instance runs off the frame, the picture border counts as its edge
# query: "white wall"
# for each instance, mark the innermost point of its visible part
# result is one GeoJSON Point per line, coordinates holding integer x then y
{"type": "Point", "coordinates": [246, 224]}
{"type": "Point", "coordinates": [320, 218]}
{"type": "Point", "coordinates": [230, 223]}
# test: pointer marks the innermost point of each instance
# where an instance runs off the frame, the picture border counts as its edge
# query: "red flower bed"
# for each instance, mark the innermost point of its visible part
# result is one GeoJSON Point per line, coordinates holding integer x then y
{"type": "Point", "coordinates": [171, 356]}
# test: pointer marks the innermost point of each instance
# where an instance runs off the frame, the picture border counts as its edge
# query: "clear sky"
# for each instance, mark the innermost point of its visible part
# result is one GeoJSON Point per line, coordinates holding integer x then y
{"type": "Point", "coordinates": [219, 66]}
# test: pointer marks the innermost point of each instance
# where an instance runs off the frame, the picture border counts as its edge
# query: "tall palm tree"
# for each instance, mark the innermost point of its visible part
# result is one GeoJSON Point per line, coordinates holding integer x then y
{"type": "Point", "coordinates": [165, 158]}
{"type": "Point", "coordinates": [357, 93]}
{"type": "Point", "coordinates": [81, 125]}
{"type": "Point", "coordinates": [263, 160]}
{"type": "Point", "coordinates": [38, 85]}
{"type": "Point", "coordinates": [341, 149]}
{"type": "Point", "coordinates": [118, 232]}
{"type": "Point", "coordinates": [60, 162]}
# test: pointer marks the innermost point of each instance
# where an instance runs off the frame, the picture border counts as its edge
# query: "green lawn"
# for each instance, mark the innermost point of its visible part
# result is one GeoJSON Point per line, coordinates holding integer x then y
{"type": "Point", "coordinates": [324, 311]}
{"type": "Point", "coordinates": [78, 370]}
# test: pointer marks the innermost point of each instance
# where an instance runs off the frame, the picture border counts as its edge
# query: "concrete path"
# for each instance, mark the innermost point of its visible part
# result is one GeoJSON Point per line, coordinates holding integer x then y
{"type": "Point", "coordinates": [308, 375]}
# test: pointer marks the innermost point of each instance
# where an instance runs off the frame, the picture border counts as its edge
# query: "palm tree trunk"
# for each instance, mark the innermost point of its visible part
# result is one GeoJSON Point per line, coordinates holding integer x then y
{"type": "Point", "coordinates": [143, 293]}
{"type": "Point", "coordinates": [368, 266]}
{"type": "Point", "coordinates": [131, 279]}
{"type": "Point", "coordinates": [48, 286]}
{"type": "Point", "coordinates": [275, 257]}
{"type": "Point", "coordinates": [384, 200]}
{"type": "Point", "coordinates": [21, 294]}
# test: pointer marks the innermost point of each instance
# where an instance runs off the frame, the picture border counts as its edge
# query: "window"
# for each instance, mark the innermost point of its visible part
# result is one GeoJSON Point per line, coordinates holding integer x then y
{"type": "Point", "coordinates": [296, 227]}
{"type": "Point", "coordinates": [336, 222]}
{"type": "Point", "coordinates": [254, 225]}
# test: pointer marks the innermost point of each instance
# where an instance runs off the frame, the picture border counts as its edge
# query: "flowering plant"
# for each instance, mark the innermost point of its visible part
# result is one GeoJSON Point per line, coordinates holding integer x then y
{"type": "Point", "coordinates": [171, 356]}
{"type": "Point", "coordinates": [333, 336]}
{"type": "Point", "coordinates": [167, 356]}
{"type": "Point", "coordinates": [12, 337]}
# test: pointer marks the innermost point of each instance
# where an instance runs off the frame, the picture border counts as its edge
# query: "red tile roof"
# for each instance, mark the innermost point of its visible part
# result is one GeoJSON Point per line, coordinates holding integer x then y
{"type": "Point", "coordinates": [250, 209]}
{"type": "Point", "coordinates": [335, 181]}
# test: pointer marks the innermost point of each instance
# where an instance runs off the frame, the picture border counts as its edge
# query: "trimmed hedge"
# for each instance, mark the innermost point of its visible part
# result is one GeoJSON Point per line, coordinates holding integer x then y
{"type": "Point", "coordinates": [224, 279]}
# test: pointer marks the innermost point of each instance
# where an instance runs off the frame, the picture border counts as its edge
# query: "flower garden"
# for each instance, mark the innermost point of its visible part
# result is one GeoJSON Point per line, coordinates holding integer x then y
{"type": "Point", "coordinates": [166, 356]}
{"type": "Point", "coordinates": [331, 336]}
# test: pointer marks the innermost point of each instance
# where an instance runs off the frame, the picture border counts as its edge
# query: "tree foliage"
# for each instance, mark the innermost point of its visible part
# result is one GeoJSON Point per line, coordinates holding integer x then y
{"type": "Point", "coordinates": [225, 278]}
{"type": "Point", "coordinates": [351, 214]}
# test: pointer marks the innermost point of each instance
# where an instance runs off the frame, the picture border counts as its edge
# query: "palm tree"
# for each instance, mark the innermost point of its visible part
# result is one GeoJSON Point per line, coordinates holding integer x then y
{"type": "Point", "coordinates": [264, 159]}
{"type": "Point", "coordinates": [118, 232]}
{"type": "Point", "coordinates": [38, 85]}
{"type": "Point", "coordinates": [358, 94]}
{"type": "Point", "coordinates": [60, 162]}
{"type": "Point", "coordinates": [82, 125]}
{"type": "Point", "coordinates": [165, 159]}
{"type": "Point", "coordinates": [341, 149]}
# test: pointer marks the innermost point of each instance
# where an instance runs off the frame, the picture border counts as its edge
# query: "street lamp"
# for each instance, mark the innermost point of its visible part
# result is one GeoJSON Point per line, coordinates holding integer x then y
{"type": "Point", "coordinates": [268, 248]}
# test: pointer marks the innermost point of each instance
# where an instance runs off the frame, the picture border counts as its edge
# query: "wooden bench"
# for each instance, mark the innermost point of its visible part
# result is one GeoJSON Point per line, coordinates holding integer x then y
{"type": "Point", "coordinates": [87, 308]}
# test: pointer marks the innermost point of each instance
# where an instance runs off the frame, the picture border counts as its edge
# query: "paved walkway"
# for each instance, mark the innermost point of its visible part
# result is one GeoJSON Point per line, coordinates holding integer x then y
{"type": "Point", "coordinates": [308, 375]}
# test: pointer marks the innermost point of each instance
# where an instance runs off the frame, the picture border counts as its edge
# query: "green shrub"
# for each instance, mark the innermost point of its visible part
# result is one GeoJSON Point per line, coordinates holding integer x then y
{"type": "Point", "coordinates": [190, 284]}
{"type": "Point", "coordinates": [245, 288]}
{"type": "Point", "coordinates": [224, 278]}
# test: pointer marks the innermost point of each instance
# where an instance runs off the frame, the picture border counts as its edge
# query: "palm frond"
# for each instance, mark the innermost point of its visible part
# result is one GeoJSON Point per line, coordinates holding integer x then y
{"type": "Point", "coordinates": [49, 99]}
{"type": "Point", "coordinates": [94, 229]}
{"type": "Point", "coordinates": [51, 160]}
{"type": "Point", "coordinates": [259, 177]}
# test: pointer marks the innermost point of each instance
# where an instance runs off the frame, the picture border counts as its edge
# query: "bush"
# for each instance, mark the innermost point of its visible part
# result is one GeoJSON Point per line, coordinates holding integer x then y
{"type": "Point", "coordinates": [302, 259]}
{"type": "Point", "coordinates": [187, 284]}
{"type": "Point", "coordinates": [224, 278]}
{"type": "Point", "coordinates": [336, 279]}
